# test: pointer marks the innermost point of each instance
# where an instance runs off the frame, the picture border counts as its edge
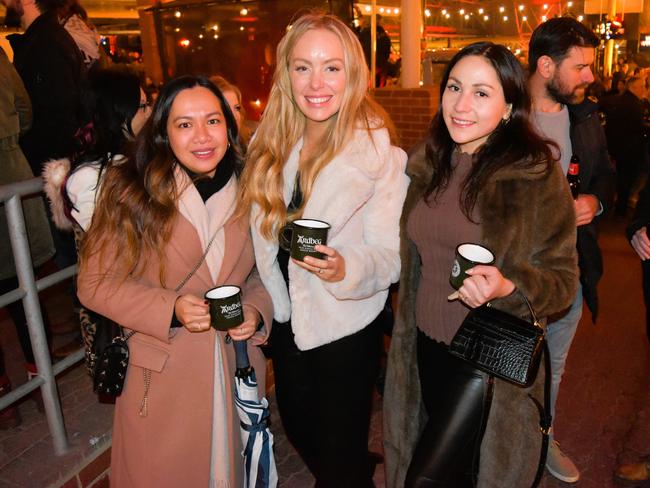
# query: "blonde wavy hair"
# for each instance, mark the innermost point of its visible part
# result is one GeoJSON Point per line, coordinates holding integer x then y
{"type": "Point", "coordinates": [283, 124]}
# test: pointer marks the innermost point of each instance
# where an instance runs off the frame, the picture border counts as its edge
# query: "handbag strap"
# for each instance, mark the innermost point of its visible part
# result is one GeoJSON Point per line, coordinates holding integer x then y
{"type": "Point", "coordinates": [198, 265]}
{"type": "Point", "coordinates": [186, 279]}
{"type": "Point", "coordinates": [545, 418]}
{"type": "Point", "coordinates": [530, 308]}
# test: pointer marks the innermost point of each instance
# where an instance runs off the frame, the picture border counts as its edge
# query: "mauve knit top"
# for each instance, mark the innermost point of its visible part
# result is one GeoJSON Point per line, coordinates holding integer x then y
{"type": "Point", "coordinates": [436, 228]}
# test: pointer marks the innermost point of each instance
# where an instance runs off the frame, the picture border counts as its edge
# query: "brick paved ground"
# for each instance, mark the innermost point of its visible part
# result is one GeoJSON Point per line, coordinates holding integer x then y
{"type": "Point", "coordinates": [603, 409]}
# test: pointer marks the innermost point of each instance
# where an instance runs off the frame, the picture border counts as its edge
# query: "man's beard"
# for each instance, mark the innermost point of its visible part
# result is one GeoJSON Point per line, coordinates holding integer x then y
{"type": "Point", "coordinates": [13, 16]}
{"type": "Point", "coordinates": [559, 93]}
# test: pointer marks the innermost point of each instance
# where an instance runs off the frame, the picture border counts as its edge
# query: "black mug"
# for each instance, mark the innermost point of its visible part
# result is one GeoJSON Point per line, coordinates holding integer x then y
{"type": "Point", "coordinates": [302, 235]}
{"type": "Point", "coordinates": [468, 255]}
{"type": "Point", "coordinates": [225, 307]}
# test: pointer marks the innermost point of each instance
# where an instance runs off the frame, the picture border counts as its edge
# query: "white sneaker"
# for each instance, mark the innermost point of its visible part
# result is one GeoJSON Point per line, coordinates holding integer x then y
{"type": "Point", "coordinates": [560, 465]}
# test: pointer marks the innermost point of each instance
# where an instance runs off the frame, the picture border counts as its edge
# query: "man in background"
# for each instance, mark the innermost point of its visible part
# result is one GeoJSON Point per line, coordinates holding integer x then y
{"type": "Point", "coordinates": [560, 55]}
{"type": "Point", "coordinates": [52, 69]}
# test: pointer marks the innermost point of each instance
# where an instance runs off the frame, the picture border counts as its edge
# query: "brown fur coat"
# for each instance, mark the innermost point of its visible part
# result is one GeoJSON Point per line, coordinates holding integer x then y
{"type": "Point", "coordinates": [527, 218]}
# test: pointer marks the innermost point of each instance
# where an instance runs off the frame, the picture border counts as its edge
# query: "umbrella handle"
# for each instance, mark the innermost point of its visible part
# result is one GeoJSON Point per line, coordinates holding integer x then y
{"type": "Point", "coordinates": [241, 355]}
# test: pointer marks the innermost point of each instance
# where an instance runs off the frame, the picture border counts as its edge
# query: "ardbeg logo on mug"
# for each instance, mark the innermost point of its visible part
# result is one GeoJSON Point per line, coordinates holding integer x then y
{"type": "Point", "coordinates": [455, 269]}
{"type": "Point", "coordinates": [308, 240]}
{"type": "Point", "coordinates": [230, 311]}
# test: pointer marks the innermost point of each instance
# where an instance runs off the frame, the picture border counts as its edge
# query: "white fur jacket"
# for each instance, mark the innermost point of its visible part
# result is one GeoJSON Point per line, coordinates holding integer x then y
{"type": "Point", "coordinates": [82, 187]}
{"type": "Point", "coordinates": [360, 193]}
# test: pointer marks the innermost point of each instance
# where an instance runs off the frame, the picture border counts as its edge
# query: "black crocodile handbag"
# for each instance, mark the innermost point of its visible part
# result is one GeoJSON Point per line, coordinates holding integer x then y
{"type": "Point", "coordinates": [501, 344]}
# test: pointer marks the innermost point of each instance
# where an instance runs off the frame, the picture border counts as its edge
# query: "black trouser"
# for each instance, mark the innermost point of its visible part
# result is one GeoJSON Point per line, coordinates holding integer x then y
{"type": "Point", "coordinates": [325, 398]}
{"type": "Point", "coordinates": [626, 174]}
{"type": "Point", "coordinates": [455, 396]}
{"type": "Point", "coordinates": [645, 267]}
{"type": "Point", "coordinates": [17, 314]}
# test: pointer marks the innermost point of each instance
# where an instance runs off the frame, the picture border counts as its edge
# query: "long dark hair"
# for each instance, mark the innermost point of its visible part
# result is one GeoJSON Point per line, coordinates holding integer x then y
{"type": "Point", "coordinates": [513, 143]}
{"type": "Point", "coordinates": [113, 99]}
{"type": "Point", "coordinates": [137, 202]}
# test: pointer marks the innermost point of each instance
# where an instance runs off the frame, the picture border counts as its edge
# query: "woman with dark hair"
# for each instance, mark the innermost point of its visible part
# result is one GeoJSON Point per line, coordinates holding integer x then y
{"type": "Point", "coordinates": [119, 110]}
{"type": "Point", "coordinates": [160, 214]}
{"type": "Point", "coordinates": [484, 176]}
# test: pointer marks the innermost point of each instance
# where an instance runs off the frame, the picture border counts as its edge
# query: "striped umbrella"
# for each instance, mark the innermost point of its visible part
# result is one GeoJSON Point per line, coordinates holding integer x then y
{"type": "Point", "coordinates": [259, 463]}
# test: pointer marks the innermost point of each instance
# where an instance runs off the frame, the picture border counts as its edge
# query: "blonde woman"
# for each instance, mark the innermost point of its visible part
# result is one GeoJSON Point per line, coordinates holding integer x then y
{"type": "Point", "coordinates": [323, 151]}
{"type": "Point", "coordinates": [233, 95]}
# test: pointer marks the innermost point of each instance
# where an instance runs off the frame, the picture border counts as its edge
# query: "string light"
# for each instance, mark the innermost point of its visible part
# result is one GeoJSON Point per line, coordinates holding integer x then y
{"type": "Point", "coordinates": [486, 17]}
{"type": "Point", "coordinates": [243, 12]}
{"type": "Point", "coordinates": [505, 18]}
{"type": "Point", "coordinates": [427, 13]}
{"type": "Point", "coordinates": [502, 9]}
{"type": "Point", "coordinates": [461, 11]}
{"type": "Point", "coordinates": [521, 7]}
{"type": "Point", "coordinates": [466, 17]}
{"type": "Point", "coordinates": [543, 18]}
{"type": "Point", "coordinates": [444, 12]}
{"type": "Point", "coordinates": [368, 9]}
{"type": "Point", "coordinates": [177, 14]}
{"type": "Point", "coordinates": [545, 7]}
{"type": "Point", "coordinates": [524, 18]}
{"type": "Point", "coordinates": [581, 18]}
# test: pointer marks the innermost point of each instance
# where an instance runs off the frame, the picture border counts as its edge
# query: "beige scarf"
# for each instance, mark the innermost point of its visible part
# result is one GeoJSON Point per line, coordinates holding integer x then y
{"type": "Point", "coordinates": [209, 219]}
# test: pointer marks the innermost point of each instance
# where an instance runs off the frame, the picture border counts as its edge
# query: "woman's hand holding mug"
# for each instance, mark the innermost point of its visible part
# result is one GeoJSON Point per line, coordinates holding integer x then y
{"type": "Point", "coordinates": [248, 327]}
{"type": "Point", "coordinates": [485, 283]}
{"type": "Point", "coordinates": [331, 269]}
{"type": "Point", "coordinates": [193, 312]}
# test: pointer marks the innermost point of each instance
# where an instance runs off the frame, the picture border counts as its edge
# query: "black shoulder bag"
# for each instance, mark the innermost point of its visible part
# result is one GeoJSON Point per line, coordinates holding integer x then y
{"type": "Point", "coordinates": [510, 348]}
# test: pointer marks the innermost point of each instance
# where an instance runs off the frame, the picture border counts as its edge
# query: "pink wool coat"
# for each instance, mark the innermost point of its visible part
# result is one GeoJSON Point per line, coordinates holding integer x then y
{"type": "Point", "coordinates": [170, 446]}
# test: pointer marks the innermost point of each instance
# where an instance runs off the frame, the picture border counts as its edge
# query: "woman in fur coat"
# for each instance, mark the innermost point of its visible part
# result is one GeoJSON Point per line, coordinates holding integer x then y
{"type": "Point", "coordinates": [484, 176]}
{"type": "Point", "coordinates": [175, 422]}
{"type": "Point", "coordinates": [323, 151]}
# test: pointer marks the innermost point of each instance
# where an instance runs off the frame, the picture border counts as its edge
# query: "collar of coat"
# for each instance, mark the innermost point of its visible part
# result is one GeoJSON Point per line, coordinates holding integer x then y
{"type": "Point", "coordinates": [43, 22]}
{"type": "Point", "coordinates": [421, 171]}
{"type": "Point", "coordinates": [582, 111]}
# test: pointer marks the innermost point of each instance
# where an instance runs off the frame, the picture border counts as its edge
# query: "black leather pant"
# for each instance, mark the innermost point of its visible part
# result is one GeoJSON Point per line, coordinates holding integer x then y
{"type": "Point", "coordinates": [456, 398]}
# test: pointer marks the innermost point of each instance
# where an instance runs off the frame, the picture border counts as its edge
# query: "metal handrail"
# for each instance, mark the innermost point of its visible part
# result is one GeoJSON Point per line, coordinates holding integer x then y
{"type": "Point", "coordinates": [11, 195]}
